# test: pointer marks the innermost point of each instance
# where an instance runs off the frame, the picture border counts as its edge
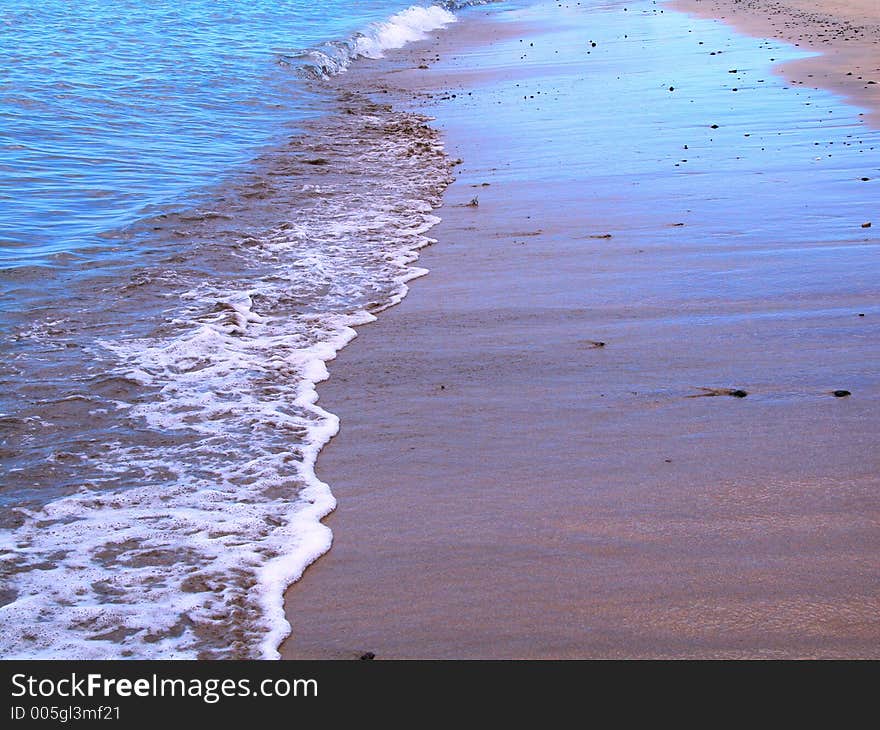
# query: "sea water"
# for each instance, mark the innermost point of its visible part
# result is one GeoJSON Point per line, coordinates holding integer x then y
{"type": "Point", "coordinates": [190, 225]}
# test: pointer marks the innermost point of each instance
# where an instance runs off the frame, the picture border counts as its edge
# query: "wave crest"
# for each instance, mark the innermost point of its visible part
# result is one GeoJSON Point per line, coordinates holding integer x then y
{"type": "Point", "coordinates": [407, 26]}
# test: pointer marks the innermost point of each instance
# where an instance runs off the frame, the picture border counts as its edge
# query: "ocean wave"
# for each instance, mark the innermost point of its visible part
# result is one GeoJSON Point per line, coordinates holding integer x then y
{"type": "Point", "coordinates": [204, 504]}
{"type": "Point", "coordinates": [407, 26]}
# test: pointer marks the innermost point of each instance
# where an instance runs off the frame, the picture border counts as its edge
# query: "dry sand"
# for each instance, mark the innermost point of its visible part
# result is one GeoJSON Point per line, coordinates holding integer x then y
{"type": "Point", "coordinates": [508, 487]}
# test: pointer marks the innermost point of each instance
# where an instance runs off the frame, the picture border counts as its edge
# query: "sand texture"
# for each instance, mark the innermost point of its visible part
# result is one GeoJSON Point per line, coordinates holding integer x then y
{"type": "Point", "coordinates": [845, 32]}
{"type": "Point", "coordinates": [542, 451]}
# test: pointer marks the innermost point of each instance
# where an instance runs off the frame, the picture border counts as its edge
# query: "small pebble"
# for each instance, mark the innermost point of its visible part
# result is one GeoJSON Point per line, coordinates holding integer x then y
{"type": "Point", "coordinates": [841, 393]}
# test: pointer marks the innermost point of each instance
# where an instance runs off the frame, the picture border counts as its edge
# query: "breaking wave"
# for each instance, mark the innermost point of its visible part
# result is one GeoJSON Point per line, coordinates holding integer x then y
{"type": "Point", "coordinates": [407, 26]}
{"type": "Point", "coordinates": [191, 440]}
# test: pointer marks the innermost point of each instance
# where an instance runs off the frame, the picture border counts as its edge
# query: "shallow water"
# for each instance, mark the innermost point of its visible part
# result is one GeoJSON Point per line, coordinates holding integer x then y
{"type": "Point", "coordinates": [193, 221]}
{"type": "Point", "coordinates": [157, 409]}
{"type": "Point", "coordinates": [110, 112]}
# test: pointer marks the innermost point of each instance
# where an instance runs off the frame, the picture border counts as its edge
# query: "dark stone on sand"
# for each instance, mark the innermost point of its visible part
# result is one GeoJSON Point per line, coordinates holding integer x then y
{"type": "Point", "coordinates": [367, 656]}
{"type": "Point", "coordinates": [316, 161]}
{"type": "Point", "coordinates": [714, 126]}
{"type": "Point", "coordinates": [841, 393]}
{"type": "Point", "coordinates": [672, 88]}
{"type": "Point", "coordinates": [7, 596]}
{"type": "Point", "coordinates": [866, 225]}
{"type": "Point", "coordinates": [12, 519]}
{"type": "Point", "coordinates": [738, 393]}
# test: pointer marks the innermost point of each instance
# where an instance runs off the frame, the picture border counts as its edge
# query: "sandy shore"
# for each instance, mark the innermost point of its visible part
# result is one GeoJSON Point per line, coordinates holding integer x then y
{"type": "Point", "coordinates": [845, 32]}
{"type": "Point", "coordinates": [539, 455]}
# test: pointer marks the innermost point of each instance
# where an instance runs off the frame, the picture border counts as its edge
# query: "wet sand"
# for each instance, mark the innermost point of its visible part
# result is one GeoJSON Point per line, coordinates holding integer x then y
{"type": "Point", "coordinates": [539, 455]}
{"type": "Point", "coordinates": [845, 32]}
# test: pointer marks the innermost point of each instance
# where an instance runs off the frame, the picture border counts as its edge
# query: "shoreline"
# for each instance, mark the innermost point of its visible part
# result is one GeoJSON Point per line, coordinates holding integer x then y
{"type": "Point", "coordinates": [845, 32]}
{"type": "Point", "coordinates": [446, 547]}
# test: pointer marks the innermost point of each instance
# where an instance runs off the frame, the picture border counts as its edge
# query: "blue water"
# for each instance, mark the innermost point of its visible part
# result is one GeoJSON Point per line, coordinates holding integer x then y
{"type": "Point", "coordinates": [193, 217]}
{"type": "Point", "coordinates": [218, 219]}
{"type": "Point", "coordinates": [110, 111]}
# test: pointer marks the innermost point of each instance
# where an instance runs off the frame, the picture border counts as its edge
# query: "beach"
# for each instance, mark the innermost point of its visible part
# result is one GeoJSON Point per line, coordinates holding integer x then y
{"type": "Point", "coordinates": [193, 222]}
{"type": "Point", "coordinates": [439, 329]}
{"type": "Point", "coordinates": [632, 410]}
{"type": "Point", "coordinates": [846, 34]}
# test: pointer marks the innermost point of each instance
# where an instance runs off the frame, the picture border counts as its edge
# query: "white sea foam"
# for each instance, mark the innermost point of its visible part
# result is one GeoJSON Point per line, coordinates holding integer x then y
{"type": "Point", "coordinates": [407, 26]}
{"type": "Point", "coordinates": [221, 508]}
